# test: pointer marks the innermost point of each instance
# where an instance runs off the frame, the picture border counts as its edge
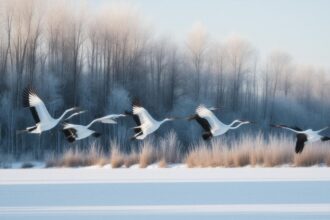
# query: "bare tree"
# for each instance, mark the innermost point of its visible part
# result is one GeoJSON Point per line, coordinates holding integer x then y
{"type": "Point", "coordinates": [239, 58]}
{"type": "Point", "coordinates": [197, 45]}
{"type": "Point", "coordinates": [279, 66]}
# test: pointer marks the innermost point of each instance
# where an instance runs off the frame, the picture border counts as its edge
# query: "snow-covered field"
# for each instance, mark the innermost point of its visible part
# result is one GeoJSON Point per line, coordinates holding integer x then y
{"type": "Point", "coordinates": [172, 193]}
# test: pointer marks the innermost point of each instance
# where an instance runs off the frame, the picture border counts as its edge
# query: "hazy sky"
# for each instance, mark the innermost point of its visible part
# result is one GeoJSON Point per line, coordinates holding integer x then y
{"type": "Point", "coordinates": [299, 27]}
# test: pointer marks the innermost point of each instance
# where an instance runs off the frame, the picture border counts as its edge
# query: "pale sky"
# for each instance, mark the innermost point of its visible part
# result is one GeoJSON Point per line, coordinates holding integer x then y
{"type": "Point", "coordinates": [299, 27]}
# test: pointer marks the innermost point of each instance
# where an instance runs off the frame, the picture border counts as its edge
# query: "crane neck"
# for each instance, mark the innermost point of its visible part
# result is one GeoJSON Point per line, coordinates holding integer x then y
{"type": "Point", "coordinates": [65, 113]}
{"type": "Point", "coordinates": [165, 120]}
{"type": "Point", "coordinates": [240, 124]}
{"type": "Point", "coordinates": [235, 121]}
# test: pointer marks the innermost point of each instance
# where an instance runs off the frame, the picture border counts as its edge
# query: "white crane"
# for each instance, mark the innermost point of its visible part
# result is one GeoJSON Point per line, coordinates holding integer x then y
{"type": "Point", "coordinates": [307, 136]}
{"type": "Point", "coordinates": [40, 113]}
{"type": "Point", "coordinates": [211, 124]}
{"type": "Point", "coordinates": [146, 124]}
{"type": "Point", "coordinates": [73, 132]}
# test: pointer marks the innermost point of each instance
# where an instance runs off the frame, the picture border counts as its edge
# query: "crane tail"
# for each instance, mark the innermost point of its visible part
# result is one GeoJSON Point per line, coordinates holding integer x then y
{"type": "Point", "coordinates": [27, 130]}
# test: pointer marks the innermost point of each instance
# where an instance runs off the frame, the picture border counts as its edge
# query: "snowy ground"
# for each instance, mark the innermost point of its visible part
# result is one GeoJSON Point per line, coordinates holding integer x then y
{"type": "Point", "coordinates": [173, 193]}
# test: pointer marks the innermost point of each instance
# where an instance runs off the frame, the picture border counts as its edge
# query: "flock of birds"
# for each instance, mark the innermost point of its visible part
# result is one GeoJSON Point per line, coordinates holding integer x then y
{"type": "Point", "coordinates": [145, 123]}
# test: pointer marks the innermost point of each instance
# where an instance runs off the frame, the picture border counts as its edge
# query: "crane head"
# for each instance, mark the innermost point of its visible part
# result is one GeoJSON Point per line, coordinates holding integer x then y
{"type": "Point", "coordinates": [73, 115]}
{"type": "Point", "coordinates": [172, 118]}
{"type": "Point", "coordinates": [247, 121]}
{"type": "Point", "coordinates": [275, 126]}
{"type": "Point", "coordinates": [213, 108]}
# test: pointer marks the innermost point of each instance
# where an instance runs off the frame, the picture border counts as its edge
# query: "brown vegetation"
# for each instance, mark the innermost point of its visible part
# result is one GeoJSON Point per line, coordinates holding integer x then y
{"type": "Point", "coordinates": [247, 151]}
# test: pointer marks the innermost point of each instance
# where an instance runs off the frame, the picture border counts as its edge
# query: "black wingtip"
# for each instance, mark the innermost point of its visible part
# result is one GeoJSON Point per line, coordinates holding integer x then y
{"type": "Point", "coordinates": [325, 138]}
{"type": "Point", "coordinates": [298, 151]}
{"type": "Point", "coordinates": [26, 94]}
{"type": "Point", "coordinates": [300, 144]}
{"type": "Point", "coordinates": [207, 135]}
{"type": "Point", "coordinates": [70, 134]}
{"type": "Point", "coordinates": [71, 139]}
{"type": "Point", "coordinates": [96, 134]}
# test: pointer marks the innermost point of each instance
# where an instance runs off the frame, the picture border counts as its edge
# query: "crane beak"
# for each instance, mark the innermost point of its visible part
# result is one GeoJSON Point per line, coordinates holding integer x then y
{"type": "Point", "coordinates": [74, 114]}
{"type": "Point", "coordinates": [21, 132]}
{"type": "Point", "coordinates": [81, 112]}
{"type": "Point", "coordinates": [274, 126]}
{"type": "Point", "coordinates": [217, 108]}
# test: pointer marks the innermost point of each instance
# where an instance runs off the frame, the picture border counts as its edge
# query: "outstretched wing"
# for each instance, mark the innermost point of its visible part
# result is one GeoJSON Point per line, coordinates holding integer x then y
{"type": "Point", "coordinates": [137, 122]}
{"type": "Point", "coordinates": [202, 121]}
{"type": "Point", "coordinates": [205, 113]}
{"type": "Point", "coordinates": [301, 139]}
{"type": "Point", "coordinates": [143, 114]}
{"type": "Point", "coordinates": [36, 105]}
{"type": "Point", "coordinates": [108, 119]}
{"type": "Point", "coordinates": [70, 133]}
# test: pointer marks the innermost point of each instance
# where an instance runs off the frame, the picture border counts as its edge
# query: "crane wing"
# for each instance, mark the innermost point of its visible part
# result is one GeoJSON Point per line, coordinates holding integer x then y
{"type": "Point", "coordinates": [143, 114]}
{"type": "Point", "coordinates": [205, 113]}
{"type": "Point", "coordinates": [137, 121]}
{"type": "Point", "coordinates": [69, 132]}
{"type": "Point", "coordinates": [201, 121]}
{"type": "Point", "coordinates": [301, 139]}
{"type": "Point", "coordinates": [36, 105]}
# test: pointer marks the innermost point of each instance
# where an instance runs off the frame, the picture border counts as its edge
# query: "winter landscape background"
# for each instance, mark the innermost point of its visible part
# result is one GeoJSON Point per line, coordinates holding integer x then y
{"type": "Point", "coordinates": [172, 55]}
{"type": "Point", "coordinates": [101, 58]}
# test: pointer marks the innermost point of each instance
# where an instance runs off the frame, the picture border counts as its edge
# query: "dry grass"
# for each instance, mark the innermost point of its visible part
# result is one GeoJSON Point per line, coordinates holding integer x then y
{"type": "Point", "coordinates": [313, 154]}
{"type": "Point", "coordinates": [77, 158]}
{"type": "Point", "coordinates": [220, 152]}
{"type": "Point", "coordinates": [148, 154]}
{"type": "Point", "coordinates": [255, 151]}
{"type": "Point", "coordinates": [131, 159]}
{"type": "Point", "coordinates": [117, 157]}
{"type": "Point", "coordinates": [169, 148]}
{"type": "Point", "coordinates": [162, 163]}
